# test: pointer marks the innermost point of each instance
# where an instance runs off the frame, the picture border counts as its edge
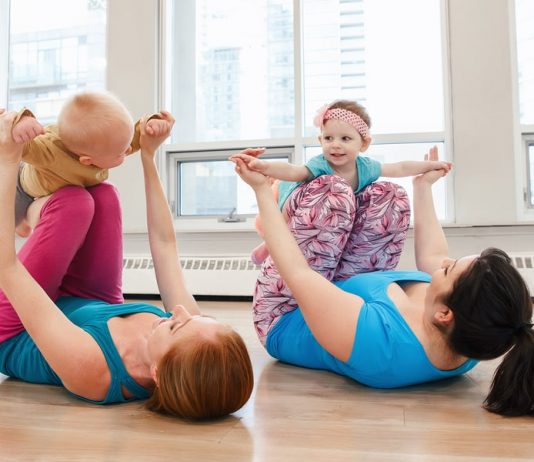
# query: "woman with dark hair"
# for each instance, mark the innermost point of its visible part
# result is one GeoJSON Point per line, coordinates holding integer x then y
{"type": "Point", "coordinates": [384, 328]}
{"type": "Point", "coordinates": [63, 319]}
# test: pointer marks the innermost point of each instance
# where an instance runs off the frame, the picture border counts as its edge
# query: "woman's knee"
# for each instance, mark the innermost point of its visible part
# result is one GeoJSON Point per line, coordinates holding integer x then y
{"type": "Point", "coordinates": [72, 203]}
{"type": "Point", "coordinates": [105, 195]}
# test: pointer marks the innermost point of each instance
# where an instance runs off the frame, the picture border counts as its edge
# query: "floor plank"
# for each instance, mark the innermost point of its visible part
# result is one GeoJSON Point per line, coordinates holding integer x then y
{"type": "Point", "coordinates": [294, 415]}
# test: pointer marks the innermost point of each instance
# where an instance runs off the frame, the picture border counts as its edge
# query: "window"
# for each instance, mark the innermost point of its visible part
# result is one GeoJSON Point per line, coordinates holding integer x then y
{"type": "Point", "coordinates": [231, 67]}
{"type": "Point", "coordinates": [379, 53]}
{"type": "Point", "coordinates": [529, 144]}
{"type": "Point", "coordinates": [209, 186]}
{"type": "Point", "coordinates": [525, 65]}
{"type": "Point", "coordinates": [56, 49]}
{"type": "Point", "coordinates": [525, 59]}
{"type": "Point", "coordinates": [254, 74]}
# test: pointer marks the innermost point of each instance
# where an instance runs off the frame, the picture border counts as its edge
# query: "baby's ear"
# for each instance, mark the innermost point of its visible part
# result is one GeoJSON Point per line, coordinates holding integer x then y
{"type": "Point", "coordinates": [366, 144]}
{"type": "Point", "coordinates": [85, 160]}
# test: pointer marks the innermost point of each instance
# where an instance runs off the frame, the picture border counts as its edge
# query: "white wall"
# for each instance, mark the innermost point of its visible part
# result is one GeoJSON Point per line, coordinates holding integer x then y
{"type": "Point", "coordinates": [482, 111]}
{"type": "Point", "coordinates": [132, 74]}
{"type": "Point", "coordinates": [484, 132]}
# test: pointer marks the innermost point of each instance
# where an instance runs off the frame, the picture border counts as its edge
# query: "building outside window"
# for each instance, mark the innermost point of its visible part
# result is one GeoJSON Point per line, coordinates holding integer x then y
{"type": "Point", "coordinates": [56, 49]}
{"type": "Point", "coordinates": [254, 74]}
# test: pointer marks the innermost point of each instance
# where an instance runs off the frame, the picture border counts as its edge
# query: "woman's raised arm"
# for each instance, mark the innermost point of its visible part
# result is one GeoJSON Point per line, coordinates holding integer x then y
{"type": "Point", "coordinates": [431, 246]}
{"type": "Point", "coordinates": [161, 234]}
{"type": "Point", "coordinates": [49, 328]}
{"type": "Point", "coordinates": [330, 312]}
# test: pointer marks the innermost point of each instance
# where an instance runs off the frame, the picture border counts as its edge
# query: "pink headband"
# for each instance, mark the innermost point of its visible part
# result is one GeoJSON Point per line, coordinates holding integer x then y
{"type": "Point", "coordinates": [349, 117]}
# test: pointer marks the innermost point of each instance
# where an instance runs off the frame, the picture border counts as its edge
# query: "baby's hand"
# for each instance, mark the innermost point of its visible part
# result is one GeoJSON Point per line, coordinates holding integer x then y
{"type": "Point", "coordinates": [155, 131]}
{"type": "Point", "coordinates": [439, 165]}
{"type": "Point", "coordinates": [438, 168]}
{"type": "Point", "coordinates": [249, 157]}
{"type": "Point", "coordinates": [26, 129]}
{"type": "Point", "coordinates": [158, 127]}
{"type": "Point", "coordinates": [254, 152]}
{"type": "Point", "coordinates": [11, 152]}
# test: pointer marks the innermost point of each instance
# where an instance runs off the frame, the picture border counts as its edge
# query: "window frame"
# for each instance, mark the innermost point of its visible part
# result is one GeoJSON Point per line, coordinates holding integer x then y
{"type": "Point", "coordinates": [527, 140]}
{"type": "Point", "coordinates": [4, 57]}
{"type": "Point", "coordinates": [525, 133]}
{"type": "Point", "coordinates": [174, 155]}
{"type": "Point", "coordinates": [299, 142]}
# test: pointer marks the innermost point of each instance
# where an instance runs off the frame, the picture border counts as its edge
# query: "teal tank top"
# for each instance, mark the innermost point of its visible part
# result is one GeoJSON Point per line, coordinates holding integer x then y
{"type": "Point", "coordinates": [20, 357]}
{"type": "Point", "coordinates": [386, 353]}
{"type": "Point", "coordinates": [369, 170]}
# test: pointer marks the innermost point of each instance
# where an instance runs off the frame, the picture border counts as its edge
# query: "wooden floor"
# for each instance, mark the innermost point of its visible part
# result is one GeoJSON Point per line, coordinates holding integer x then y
{"type": "Point", "coordinates": [294, 415]}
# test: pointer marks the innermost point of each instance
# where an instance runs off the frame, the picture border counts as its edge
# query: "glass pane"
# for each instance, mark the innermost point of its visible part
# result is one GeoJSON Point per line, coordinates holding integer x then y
{"type": "Point", "coordinates": [57, 48]}
{"type": "Point", "coordinates": [379, 53]}
{"type": "Point", "coordinates": [525, 58]}
{"type": "Point", "coordinates": [231, 74]}
{"type": "Point", "coordinates": [213, 188]}
{"type": "Point", "coordinates": [386, 153]}
{"type": "Point", "coordinates": [530, 156]}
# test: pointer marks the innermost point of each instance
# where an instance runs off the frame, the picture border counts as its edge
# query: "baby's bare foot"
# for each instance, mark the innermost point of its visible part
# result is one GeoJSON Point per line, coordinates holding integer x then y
{"type": "Point", "coordinates": [23, 229]}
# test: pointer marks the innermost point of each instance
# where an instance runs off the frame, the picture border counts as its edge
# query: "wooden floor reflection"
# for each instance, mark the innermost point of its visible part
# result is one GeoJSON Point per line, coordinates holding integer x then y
{"type": "Point", "coordinates": [294, 415]}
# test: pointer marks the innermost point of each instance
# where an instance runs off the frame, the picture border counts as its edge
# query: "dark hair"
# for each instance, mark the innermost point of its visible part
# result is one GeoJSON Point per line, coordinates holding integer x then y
{"type": "Point", "coordinates": [492, 314]}
{"type": "Point", "coordinates": [204, 380]}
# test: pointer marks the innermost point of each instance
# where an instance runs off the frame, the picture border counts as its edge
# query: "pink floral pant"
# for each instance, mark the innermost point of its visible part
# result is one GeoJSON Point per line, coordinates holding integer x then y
{"type": "Point", "coordinates": [340, 234]}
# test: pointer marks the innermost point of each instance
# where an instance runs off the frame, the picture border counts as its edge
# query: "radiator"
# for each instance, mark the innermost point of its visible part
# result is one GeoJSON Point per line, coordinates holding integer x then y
{"type": "Point", "coordinates": [524, 263]}
{"type": "Point", "coordinates": [236, 275]}
{"type": "Point", "coordinates": [209, 275]}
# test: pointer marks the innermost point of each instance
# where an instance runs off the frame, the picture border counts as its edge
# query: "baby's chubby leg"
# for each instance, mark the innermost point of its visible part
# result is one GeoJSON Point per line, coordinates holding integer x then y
{"type": "Point", "coordinates": [25, 226]}
{"type": "Point", "coordinates": [377, 238]}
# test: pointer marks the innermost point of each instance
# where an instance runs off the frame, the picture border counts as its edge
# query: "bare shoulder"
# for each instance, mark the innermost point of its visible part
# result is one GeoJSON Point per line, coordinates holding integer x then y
{"type": "Point", "coordinates": [86, 372]}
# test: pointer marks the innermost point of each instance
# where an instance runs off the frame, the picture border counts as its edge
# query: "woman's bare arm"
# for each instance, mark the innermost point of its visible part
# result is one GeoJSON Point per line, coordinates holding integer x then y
{"type": "Point", "coordinates": [49, 328]}
{"type": "Point", "coordinates": [161, 234]}
{"type": "Point", "coordinates": [431, 246]}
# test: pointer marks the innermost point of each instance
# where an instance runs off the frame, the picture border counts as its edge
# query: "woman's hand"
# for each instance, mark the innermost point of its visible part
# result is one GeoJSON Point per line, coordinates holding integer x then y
{"type": "Point", "coordinates": [249, 156]}
{"type": "Point", "coordinates": [154, 132]}
{"type": "Point", "coordinates": [10, 151]}
{"type": "Point", "coordinates": [254, 179]}
{"type": "Point", "coordinates": [430, 177]}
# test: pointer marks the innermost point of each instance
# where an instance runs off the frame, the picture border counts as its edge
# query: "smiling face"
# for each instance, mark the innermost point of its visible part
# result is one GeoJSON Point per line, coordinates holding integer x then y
{"type": "Point", "coordinates": [341, 142]}
{"type": "Point", "coordinates": [441, 285]}
{"type": "Point", "coordinates": [180, 326]}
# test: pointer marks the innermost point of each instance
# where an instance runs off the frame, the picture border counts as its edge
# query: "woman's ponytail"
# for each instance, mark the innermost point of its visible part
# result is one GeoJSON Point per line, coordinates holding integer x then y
{"type": "Point", "coordinates": [512, 389]}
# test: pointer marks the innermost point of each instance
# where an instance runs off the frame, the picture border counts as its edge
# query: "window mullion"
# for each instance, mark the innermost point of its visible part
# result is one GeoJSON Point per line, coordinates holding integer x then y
{"type": "Point", "coordinates": [4, 47]}
{"type": "Point", "coordinates": [298, 81]}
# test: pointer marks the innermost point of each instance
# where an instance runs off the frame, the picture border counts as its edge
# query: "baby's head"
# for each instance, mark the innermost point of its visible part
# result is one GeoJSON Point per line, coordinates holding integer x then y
{"type": "Point", "coordinates": [96, 127]}
{"type": "Point", "coordinates": [347, 111]}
